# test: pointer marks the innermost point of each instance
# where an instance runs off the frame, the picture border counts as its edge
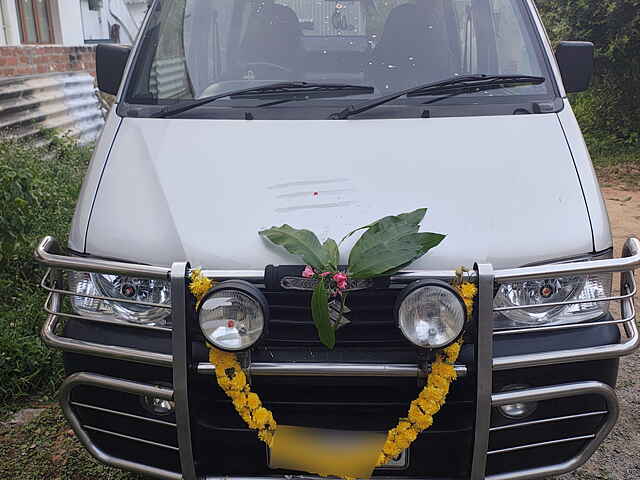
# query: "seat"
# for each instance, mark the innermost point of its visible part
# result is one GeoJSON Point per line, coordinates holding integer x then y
{"type": "Point", "coordinates": [273, 38]}
{"type": "Point", "coordinates": [414, 47]}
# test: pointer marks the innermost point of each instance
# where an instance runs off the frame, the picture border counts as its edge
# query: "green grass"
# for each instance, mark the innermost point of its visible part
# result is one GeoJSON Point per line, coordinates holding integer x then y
{"type": "Point", "coordinates": [618, 167]}
{"type": "Point", "coordinates": [38, 190]}
{"type": "Point", "coordinates": [47, 449]}
{"type": "Point", "coordinates": [614, 157]}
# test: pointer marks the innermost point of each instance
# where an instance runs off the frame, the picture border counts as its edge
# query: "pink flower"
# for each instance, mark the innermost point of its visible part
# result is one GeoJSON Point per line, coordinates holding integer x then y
{"type": "Point", "coordinates": [325, 274]}
{"type": "Point", "coordinates": [308, 272]}
{"type": "Point", "coordinates": [341, 280]}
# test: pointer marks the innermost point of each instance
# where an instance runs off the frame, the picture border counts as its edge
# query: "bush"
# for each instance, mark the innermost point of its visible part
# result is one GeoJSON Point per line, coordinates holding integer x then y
{"type": "Point", "coordinates": [38, 189]}
{"type": "Point", "coordinates": [610, 111]}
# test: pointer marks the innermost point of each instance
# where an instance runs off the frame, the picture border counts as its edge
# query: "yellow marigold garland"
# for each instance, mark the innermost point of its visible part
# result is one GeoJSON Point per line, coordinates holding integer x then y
{"type": "Point", "coordinates": [433, 395]}
{"type": "Point", "coordinates": [199, 284]}
{"type": "Point", "coordinates": [233, 381]}
{"type": "Point", "coordinates": [423, 408]}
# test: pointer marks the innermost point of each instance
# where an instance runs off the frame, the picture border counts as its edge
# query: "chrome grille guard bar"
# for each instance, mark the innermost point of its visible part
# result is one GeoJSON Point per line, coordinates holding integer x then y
{"type": "Point", "coordinates": [49, 254]}
{"type": "Point", "coordinates": [484, 362]}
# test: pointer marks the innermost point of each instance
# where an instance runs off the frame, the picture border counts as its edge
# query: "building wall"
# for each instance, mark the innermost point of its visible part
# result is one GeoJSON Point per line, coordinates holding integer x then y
{"type": "Point", "coordinates": [25, 60]}
{"type": "Point", "coordinates": [129, 15]}
{"type": "Point", "coordinates": [138, 9]}
{"type": "Point", "coordinates": [71, 33]}
{"type": "Point", "coordinates": [96, 23]}
{"type": "Point", "coordinates": [9, 20]}
{"type": "Point", "coordinates": [69, 26]}
{"type": "Point", "coordinates": [67, 20]}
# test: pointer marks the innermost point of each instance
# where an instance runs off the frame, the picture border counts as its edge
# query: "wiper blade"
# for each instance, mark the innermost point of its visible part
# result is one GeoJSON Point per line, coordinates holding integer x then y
{"type": "Point", "coordinates": [488, 82]}
{"type": "Point", "coordinates": [320, 90]}
{"type": "Point", "coordinates": [270, 90]}
{"type": "Point", "coordinates": [449, 87]}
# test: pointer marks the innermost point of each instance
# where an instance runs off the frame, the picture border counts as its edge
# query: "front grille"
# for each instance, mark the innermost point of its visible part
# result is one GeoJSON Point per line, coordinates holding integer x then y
{"type": "Point", "coordinates": [371, 316]}
{"type": "Point", "coordinates": [363, 404]}
{"type": "Point", "coordinates": [355, 403]}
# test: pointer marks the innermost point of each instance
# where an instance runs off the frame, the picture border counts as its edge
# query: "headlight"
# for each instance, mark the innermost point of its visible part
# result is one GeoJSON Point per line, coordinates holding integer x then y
{"type": "Point", "coordinates": [233, 315]}
{"type": "Point", "coordinates": [581, 288]}
{"type": "Point", "coordinates": [430, 314]}
{"type": "Point", "coordinates": [125, 288]}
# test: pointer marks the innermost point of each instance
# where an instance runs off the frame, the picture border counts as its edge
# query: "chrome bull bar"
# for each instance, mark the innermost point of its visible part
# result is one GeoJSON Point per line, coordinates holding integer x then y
{"type": "Point", "coordinates": [610, 416]}
{"type": "Point", "coordinates": [110, 383]}
{"type": "Point", "coordinates": [49, 254]}
{"type": "Point", "coordinates": [549, 393]}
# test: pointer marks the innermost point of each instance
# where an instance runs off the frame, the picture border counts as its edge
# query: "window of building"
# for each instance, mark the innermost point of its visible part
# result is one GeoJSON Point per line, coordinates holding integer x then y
{"type": "Point", "coordinates": [35, 21]}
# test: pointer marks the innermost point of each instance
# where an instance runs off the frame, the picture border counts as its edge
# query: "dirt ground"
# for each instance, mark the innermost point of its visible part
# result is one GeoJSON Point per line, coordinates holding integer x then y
{"type": "Point", "coordinates": [618, 457]}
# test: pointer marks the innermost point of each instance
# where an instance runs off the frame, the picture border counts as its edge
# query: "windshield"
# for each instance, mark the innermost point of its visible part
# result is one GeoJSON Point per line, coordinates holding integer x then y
{"type": "Point", "coordinates": [198, 48]}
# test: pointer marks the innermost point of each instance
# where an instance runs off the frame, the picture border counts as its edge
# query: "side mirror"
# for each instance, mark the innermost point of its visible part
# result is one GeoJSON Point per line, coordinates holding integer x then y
{"type": "Point", "coordinates": [110, 63]}
{"type": "Point", "coordinates": [575, 60]}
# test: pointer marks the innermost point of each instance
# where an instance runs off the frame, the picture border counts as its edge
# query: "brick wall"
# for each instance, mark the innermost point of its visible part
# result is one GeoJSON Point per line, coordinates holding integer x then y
{"type": "Point", "coordinates": [32, 60]}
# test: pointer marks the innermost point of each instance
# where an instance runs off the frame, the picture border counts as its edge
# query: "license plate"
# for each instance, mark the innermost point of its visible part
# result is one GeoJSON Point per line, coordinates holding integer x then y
{"type": "Point", "coordinates": [401, 461]}
{"type": "Point", "coordinates": [398, 463]}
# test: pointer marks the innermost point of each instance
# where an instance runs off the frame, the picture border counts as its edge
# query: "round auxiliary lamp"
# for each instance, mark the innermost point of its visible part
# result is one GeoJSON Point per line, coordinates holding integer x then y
{"type": "Point", "coordinates": [431, 314]}
{"type": "Point", "coordinates": [233, 315]}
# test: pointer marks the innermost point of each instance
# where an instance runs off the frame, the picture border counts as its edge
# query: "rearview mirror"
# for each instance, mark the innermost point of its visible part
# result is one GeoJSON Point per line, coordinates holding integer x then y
{"type": "Point", "coordinates": [110, 63]}
{"type": "Point", "coordinates": [575, 60]}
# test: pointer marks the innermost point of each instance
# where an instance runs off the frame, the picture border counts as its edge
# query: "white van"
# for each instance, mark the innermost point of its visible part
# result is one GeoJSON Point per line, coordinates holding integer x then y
{"type": "Point", "coordinates": [236, 115]}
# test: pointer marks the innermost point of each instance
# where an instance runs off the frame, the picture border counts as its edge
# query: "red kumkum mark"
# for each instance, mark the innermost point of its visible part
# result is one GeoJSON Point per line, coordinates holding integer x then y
{"type": "Point", "coordinates": [315, 194]}
{"type": "Point", "coordinates": [231, 324]}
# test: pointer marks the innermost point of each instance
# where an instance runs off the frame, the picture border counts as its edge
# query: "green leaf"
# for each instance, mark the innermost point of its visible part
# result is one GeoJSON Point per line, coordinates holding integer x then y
{"type": "Point", "coordinates": [352, 232]}
{"type": "Point", "coordinates": [320, 313]}
{"type": "Point", "coordinates": [302, 243]}
{"type": "Point", "coordinates": [389, 256]}
{"type": "Point", "coordinates": [410, 218]}
{"type": "Point", "coordinates": [390, 244]}
{"type": "Point", "coordinates": [333, 253]}
{"type": "Point", "coordinates": [387, 228]}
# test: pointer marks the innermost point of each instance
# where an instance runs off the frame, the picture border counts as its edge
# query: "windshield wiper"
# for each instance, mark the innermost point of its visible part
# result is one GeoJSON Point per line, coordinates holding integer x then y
{"type": "Point", "coordinates": [319, 90]}
{"type": "Point", "coordinates": [300, 90]}
{"type": "Point", "coordinates": [449, 87]}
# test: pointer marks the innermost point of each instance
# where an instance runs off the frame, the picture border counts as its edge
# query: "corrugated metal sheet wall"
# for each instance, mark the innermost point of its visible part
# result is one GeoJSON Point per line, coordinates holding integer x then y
{"type": "Point", "coordinates": [168, 77]}
{"type": "Point", "coordinates": [66, 102]}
